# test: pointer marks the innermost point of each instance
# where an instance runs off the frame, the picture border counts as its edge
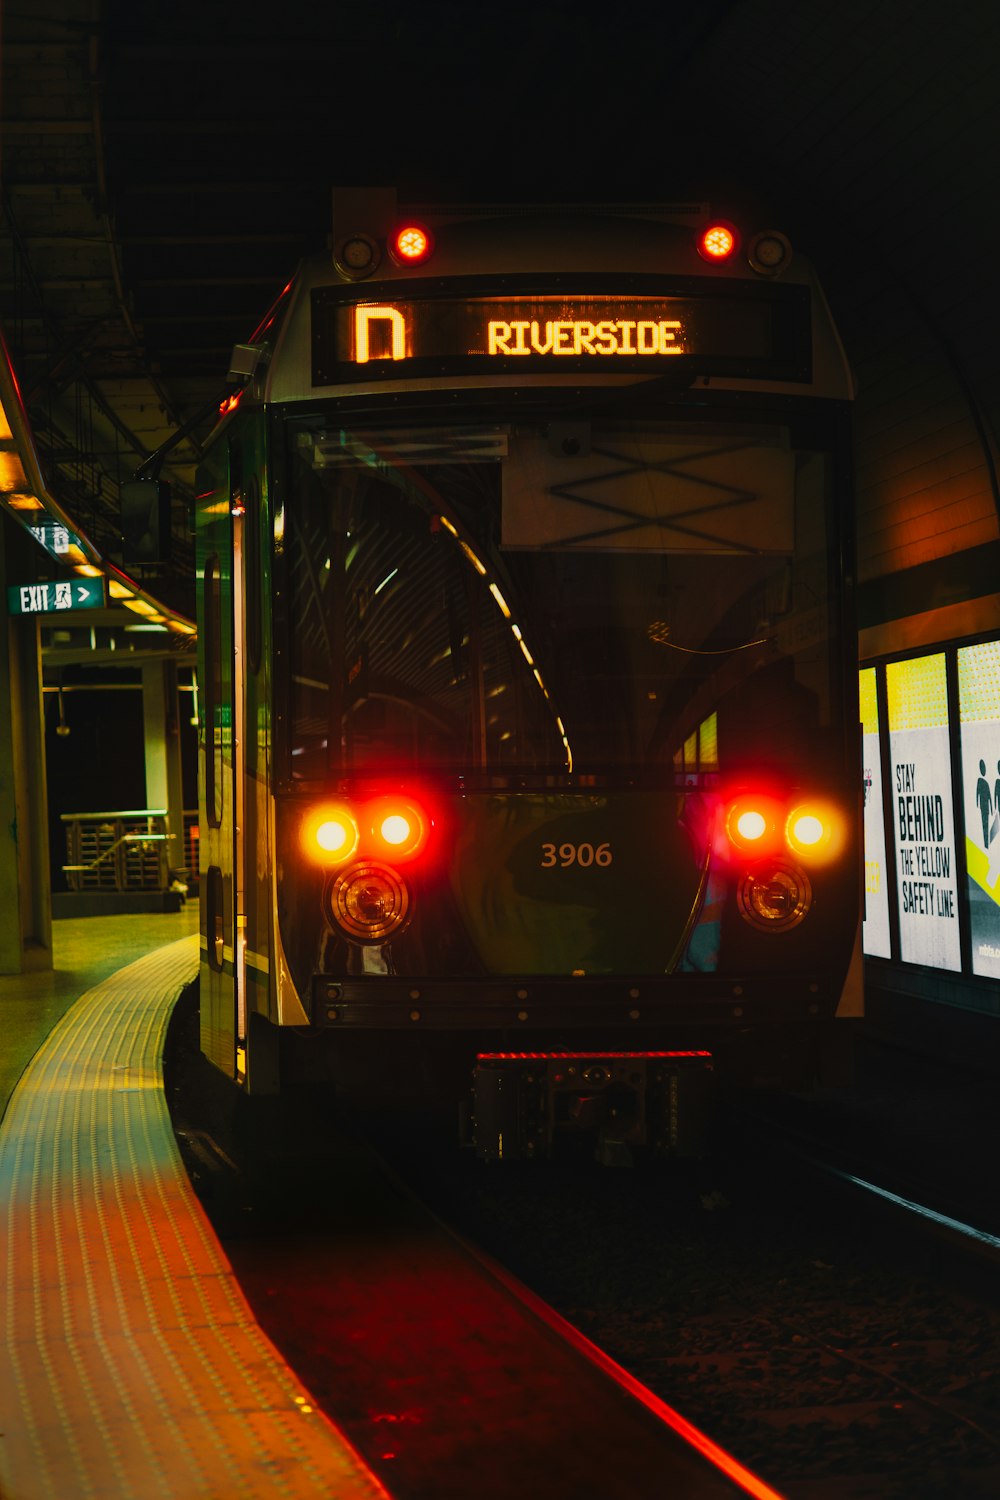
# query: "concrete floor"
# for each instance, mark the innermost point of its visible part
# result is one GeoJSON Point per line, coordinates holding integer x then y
{"type": "Point", "coordinates": [86, 950]}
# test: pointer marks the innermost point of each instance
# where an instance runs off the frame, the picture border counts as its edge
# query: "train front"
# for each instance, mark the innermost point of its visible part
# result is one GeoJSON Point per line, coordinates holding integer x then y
{"type": "Point", "coordinates": [565, 746]}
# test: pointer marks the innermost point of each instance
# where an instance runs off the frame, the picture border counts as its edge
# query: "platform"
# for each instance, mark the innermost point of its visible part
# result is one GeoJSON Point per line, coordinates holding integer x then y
{"type": "Point", "coordinates": [85, 950]}
{"type": "Point", "coordinates": [130, 1363]}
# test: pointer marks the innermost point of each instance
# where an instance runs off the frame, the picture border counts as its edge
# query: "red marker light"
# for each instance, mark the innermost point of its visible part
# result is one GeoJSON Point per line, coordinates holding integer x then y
{"type": "Point", "coordinates": [397, 827]}
{"type": "Point", "coordinates": [752, 823]}
{"type": "Point", "coordinates": [397, 830]}
{"type": "Point", "coordinates": [411, 245]}
{"type": "Point", "coordinates": [717, 242]}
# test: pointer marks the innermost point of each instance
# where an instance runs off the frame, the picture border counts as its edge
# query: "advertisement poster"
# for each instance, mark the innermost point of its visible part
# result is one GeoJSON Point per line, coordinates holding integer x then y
{"type": "Point", "coordinates": [979, 707]}
{"type": "Point", "coordinates": [923, 816]}
{"type": "Point", "coordinates": [875, 930]}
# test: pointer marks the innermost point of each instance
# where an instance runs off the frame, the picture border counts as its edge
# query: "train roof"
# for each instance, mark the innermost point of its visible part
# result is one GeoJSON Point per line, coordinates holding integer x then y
{"type": "Point", "coordinates": [492, 249]}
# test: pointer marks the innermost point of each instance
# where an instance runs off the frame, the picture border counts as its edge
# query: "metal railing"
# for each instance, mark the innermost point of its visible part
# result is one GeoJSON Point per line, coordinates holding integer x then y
{"type": "Point", "coordinates": [117, 851]}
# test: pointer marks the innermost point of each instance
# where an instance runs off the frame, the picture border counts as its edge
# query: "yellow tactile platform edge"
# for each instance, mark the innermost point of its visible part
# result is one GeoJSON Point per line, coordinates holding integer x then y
{"type": "Point", "coordinates": [130, 1362]}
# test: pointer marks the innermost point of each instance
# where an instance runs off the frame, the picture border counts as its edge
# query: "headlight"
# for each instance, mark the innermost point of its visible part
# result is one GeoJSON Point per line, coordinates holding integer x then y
{"type": "Point", "coordinates": [369, 901]}
{"type": "Point", "coordinates": [775, 896]}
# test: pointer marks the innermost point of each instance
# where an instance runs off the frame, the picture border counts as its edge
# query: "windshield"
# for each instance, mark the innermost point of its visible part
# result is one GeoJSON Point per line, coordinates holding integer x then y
{"type": "Point", "coordinates": [566, 600]}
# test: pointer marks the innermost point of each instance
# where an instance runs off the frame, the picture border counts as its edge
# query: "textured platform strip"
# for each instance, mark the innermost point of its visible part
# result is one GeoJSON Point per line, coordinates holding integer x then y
{"type": "Point", "coordinates": [130, 1363]}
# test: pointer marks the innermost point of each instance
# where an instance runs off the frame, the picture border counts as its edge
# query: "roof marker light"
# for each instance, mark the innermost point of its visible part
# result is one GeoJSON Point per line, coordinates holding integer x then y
{"type": "Point", "coordinates": [717, 242]}
{"type": "Point", "coordinates": [411, 244]}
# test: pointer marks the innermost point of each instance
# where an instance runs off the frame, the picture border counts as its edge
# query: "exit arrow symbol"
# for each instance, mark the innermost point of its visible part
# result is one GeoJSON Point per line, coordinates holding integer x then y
{"type": "Point", "coordinates": [84, 593]}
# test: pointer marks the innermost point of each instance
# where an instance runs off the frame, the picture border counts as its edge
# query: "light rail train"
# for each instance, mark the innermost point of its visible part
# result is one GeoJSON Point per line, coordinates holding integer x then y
{"type": "Point", "coordinates": [529, 746]}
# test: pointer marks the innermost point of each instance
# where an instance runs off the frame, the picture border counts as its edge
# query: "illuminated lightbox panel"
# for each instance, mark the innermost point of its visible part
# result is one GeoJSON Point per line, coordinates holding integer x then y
{"type": "Point", "coordinates": [945, 818]}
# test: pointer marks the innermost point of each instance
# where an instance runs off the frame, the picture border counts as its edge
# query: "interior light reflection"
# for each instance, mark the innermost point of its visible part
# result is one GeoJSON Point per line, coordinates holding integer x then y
{"type": "Point", "coordinates": [501, 601]}
{"type": "Point", "coordinates": [505, 610]}
{"type": "Point", "coordinates": [479, 566]}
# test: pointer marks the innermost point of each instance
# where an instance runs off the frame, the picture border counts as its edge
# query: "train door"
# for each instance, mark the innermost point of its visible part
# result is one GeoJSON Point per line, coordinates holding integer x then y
{"type": "Point", "coordinates": [256, 1007]}
{"type": "Point", "coordinates": [237, 511]}
{"type": "Point", "coordinates": [219, 1022]}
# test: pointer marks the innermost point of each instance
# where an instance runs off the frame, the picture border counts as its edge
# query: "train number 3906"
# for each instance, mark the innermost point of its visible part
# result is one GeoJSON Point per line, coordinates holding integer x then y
{"type": "Point", "coordinates": [565, 855]}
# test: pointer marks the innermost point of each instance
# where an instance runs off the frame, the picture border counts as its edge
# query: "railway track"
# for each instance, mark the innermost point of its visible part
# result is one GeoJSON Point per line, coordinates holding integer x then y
{"type": "Point", "coordinates": [945, 1228]}
{"type": "Point", "coordinates": [791, 1325]}
{"type": "Point", "coordinates": [436, 1362]}
{"type": "Point", "coordinates": [443, 1370]}
{"type": "Point", "coordinates": [797, 1324]}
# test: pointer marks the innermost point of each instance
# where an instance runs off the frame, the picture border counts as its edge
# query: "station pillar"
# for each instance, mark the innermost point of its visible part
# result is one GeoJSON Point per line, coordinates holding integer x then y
{"type": "Point", "coordinates": [161, 734]}
{"type": "Point", "coordinates": [25, 882]}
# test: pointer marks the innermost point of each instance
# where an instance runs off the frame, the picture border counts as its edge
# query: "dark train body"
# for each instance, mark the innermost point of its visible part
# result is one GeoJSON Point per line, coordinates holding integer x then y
{"type": "Point", "coordinates": [530, 725]}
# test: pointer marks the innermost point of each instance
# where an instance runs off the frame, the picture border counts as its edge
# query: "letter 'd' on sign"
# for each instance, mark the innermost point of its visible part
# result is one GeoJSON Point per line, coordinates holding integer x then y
{"type": "Point", "coordinates": [391, 347]}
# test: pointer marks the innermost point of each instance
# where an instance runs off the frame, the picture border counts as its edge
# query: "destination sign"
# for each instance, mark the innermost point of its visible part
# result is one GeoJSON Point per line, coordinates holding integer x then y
{"type": "Point", "coordinates": [748, 331]}
{"type": "Point", "coordinates": [55, 598]}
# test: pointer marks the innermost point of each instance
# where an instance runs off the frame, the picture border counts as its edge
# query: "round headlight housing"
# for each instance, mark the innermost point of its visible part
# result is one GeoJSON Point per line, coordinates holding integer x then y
{"type": "Point", "coordinates": [369, 902]}
{"type": "Point", "coordinates": [357, 256]}
{"type": "Point", "coordinates": [411, 244]}
{"type": "Point", "coordinates": [775, 896]}
{"type": "Point", "coordinates": [769, 253]}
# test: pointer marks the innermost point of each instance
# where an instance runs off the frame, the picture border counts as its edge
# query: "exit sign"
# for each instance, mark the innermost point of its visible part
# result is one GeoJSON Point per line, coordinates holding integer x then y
{"type": "Point", "coordinates": [54, 598]}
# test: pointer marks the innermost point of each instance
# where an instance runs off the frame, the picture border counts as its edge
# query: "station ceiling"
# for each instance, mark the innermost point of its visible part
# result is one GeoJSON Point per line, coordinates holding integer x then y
{"type": "Point", "coordinates": [164, 168]}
